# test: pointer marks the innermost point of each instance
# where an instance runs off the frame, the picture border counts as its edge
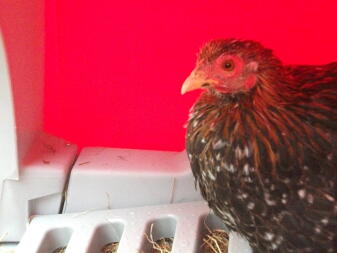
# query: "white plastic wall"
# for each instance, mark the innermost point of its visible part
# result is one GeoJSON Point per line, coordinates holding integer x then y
{"type": "Point", "coordinates": [8, 148]}
{"type": "Point", "coordinates": [33, 165]}
{"type": "Point", "coordinates": [21, 70]}
{"type": "Point", "coordinates": [111, 178]}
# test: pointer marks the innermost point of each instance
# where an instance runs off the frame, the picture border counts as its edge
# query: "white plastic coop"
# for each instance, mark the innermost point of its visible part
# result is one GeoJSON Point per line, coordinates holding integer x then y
{"type": "Point", "coordinates": [51, 196]}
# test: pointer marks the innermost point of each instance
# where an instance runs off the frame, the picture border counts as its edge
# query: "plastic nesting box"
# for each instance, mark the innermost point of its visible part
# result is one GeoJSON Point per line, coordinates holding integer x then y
{"type": "Point", "coordinates": [103, 194]}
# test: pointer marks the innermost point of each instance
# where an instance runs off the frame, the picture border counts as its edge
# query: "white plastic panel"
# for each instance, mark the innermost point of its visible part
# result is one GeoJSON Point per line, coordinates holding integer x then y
{"type": "Point", "coordinates": [22, 37]}
{"type": "Point", "coordinates": [88, 232]}
{"type": "Point", "coordinates": [104, 178]}
{"type": "Point", "coordinates": [39, 190]}
{"type": "Point", "coordinates": [8, 149]}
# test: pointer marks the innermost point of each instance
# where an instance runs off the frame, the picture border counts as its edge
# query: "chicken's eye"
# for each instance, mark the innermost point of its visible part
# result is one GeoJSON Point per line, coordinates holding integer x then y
{"type": "Point", "coordinates": [228, 65]}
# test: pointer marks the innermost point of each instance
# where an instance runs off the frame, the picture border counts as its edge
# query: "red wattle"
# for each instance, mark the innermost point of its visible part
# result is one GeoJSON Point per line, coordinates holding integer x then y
{"type": "Point", "coordinates": [250, 82]}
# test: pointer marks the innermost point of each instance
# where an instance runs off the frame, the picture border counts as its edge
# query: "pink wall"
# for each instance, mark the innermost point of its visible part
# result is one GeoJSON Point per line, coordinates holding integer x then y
{"type": "Point", "coordinates": [114, 68]}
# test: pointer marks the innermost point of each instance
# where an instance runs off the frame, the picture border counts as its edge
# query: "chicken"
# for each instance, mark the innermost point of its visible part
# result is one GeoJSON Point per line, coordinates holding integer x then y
{"type": "Point", "coordinates": [262, 144]}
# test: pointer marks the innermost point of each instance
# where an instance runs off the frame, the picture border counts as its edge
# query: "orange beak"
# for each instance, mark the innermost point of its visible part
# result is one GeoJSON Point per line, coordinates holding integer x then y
{"type": "Point", "coordinates": [196, 80]}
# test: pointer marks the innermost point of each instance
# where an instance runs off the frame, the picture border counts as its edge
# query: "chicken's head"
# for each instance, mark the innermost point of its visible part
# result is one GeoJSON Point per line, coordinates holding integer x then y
{"type": "Point", "coordinates": [229, 66]}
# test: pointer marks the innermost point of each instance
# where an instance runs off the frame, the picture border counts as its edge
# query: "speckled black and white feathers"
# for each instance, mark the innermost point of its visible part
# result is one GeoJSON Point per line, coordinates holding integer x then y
{"type": "Point", "coordinates": [266, 160]}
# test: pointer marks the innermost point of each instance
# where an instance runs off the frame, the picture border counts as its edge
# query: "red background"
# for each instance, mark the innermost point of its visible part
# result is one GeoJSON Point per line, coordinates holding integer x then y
{"type": "Point", "coordinates": [114, 68]}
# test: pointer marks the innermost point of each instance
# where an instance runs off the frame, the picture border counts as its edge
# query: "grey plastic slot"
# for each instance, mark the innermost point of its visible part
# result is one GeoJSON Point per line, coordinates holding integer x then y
{"type": "Point", "coordinates": [164, 227]}
{"type": "Point", "coordinates": [208, 222]}
{"type": "Point", "coordinates": [106, 233]}
{"type": "Point", "coordinates": [55, 238]}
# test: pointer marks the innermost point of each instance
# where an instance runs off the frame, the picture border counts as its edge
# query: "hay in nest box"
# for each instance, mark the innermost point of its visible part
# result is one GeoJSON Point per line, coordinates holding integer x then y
{"type": "Point", "coordinates": [162, 245]}
{"type": "Point", "coordinates": [215, 241]}
{"type": "Point", "coordinates": [110, 248]}
{"type": "Point", "coordinates": [60, 250]}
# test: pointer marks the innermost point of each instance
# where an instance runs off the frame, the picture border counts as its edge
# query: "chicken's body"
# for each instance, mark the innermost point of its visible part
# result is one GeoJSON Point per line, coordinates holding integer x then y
{"type": "Point", "coordinates": [266, 160]}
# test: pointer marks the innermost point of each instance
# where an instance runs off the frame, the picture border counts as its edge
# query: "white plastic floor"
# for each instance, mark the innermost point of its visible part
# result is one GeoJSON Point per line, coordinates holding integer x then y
{"type": "Point", "coordinates": [88, 232]}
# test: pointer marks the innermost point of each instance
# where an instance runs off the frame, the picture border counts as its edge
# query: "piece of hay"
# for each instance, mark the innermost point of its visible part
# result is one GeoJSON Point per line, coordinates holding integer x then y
{"type": "Point", "coordinates": [110, 248]}
{"type": "Point", "coordinates": [2, 237]}
{"type": "Point", "coordinates": [60, 250]}
{"type": "Point", "coordinates": [215, 241]}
